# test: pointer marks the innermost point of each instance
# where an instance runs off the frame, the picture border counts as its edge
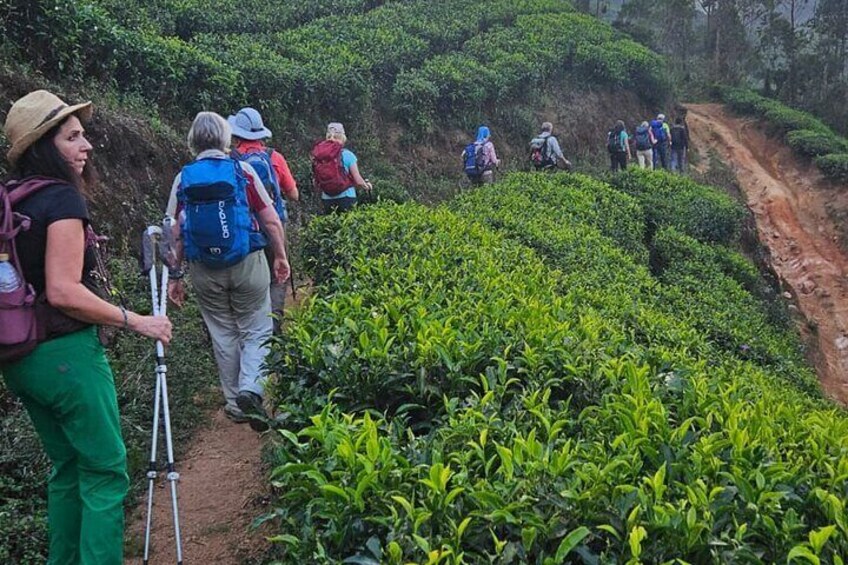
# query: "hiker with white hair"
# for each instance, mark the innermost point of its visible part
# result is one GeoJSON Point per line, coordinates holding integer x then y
{"type": "Point", "coordinates": [225, 217]}
{"type": "Point", "coordinates": [545, 151]}
{"type": "Point", "coordinates": [662, 137]}
{"type": "Point", "coordinates": [643, 140]}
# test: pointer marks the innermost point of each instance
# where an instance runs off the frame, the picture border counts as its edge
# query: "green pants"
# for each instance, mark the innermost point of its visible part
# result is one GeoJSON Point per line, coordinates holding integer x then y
{"type": "Point", "coordinates": [67, 388]}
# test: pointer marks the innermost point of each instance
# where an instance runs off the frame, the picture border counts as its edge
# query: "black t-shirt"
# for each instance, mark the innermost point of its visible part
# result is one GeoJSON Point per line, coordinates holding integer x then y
{"type": "Point", "coordinates": [48, 205]}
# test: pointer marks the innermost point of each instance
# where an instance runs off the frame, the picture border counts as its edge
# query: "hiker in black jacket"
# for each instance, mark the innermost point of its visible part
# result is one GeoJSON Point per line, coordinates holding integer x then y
{"type": "Point", "coordinates": [679, 145]}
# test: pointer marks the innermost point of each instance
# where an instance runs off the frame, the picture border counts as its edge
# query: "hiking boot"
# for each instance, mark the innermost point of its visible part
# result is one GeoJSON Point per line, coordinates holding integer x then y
{"type": "Point", "coordinates": [235, 415]}
{"type": "Point", "coordinates": [251, 404]}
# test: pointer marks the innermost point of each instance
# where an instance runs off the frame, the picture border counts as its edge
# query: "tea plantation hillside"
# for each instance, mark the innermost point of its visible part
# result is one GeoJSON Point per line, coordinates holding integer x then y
{"type": "Point", "coordinates": [400, 74]}
{"type": "Point", "coordinates": [552, 369]}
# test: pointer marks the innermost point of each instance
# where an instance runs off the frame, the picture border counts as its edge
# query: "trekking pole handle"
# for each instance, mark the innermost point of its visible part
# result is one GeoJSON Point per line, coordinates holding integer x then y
{"type": "Point", "coordinates": [166, 243]}
{"type": "Point", "coordinates": [148, 248]}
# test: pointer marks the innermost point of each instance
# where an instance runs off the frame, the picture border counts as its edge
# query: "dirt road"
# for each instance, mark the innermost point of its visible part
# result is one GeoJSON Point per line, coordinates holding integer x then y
{"type": "Point", "coordinates": [789, 201]}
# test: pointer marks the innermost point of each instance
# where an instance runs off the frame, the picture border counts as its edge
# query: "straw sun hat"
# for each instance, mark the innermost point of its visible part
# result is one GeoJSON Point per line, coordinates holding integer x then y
{"type": "Point", "coordinates": [34, 115]}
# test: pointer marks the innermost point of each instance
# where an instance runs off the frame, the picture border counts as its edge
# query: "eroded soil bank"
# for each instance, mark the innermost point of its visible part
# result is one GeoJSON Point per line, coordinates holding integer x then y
{"type": "Point", "coordinates": [789, 199]}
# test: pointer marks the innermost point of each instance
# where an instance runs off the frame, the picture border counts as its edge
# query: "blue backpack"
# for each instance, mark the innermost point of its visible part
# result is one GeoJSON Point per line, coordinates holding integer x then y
{"type": "Point", "coordinates": [218, 222]}
{"type": "Point", "coordinates": [473, 159]}
{"type": "Point", "coordinates": [659, 131]}
{"type": "Point", "coordinates": [261, 163]}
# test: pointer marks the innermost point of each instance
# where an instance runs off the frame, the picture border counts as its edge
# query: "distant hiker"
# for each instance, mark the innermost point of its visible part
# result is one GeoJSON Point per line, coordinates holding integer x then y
{"type": "Point", "coordinates": [249, 133]}
{"type": "Point", "coordinates": [64, 381]}
{"type": "Point", "coordinates": [679, 145]}
{"type": "Point", "coordinates": [479, 158]}
{"type": "Point", "coordinates": [661, 134]}
{"type": "Point", "coordinates": [225, 219]}
{"type": "Point", "coordinates": [335, 171]}
{"type": "Point", "coordinates": [545, 152]}
{"type": "Point", "coordinates": [644, 145]}
{"type": "Point", "coordinates": [618, 147]}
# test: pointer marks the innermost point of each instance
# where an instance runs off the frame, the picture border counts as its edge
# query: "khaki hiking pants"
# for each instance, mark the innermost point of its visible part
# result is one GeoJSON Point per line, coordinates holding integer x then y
{"type": "Point", "coordinates": [236, 305]}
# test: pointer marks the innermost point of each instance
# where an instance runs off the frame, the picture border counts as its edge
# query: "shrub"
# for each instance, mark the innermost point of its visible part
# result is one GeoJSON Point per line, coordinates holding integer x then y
{"type": "Point", "coordinates": [834, 166]}
{"type": "Point", "coordinates": [710, 288]}
{"type": "Point", "coordinates": [377, 343]}
{"type": "Point", "coordinates": [559, 432]}
{"type": "Point", "coordinates": [788, 119]}
{"type": "Point", "coordinates": [698, 285]}
{"type": "Point", "coordinates": [806, 134]}
{"type": "Point", "coordinates": [673, 200]}
{"type": "Point", "coordinates": [813, 143]}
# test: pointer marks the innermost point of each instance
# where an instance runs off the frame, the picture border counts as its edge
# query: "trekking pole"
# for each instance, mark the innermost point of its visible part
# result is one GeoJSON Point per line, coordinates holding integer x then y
{"type": "Point", "coordinates": [159, 297]}
{"type": "Point", "coordinates": [291, 277]}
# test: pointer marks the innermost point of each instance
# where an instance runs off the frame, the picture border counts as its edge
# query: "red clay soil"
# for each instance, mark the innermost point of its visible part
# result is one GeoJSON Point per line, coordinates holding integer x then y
{"type": "Point", "coordinates": [789, 199]}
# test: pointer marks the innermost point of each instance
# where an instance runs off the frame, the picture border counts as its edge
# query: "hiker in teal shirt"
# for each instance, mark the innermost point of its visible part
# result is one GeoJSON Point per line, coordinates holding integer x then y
{"type": "Point", "coordinates": [619, 147]}
{"type": "Point", "coordinates": [345, 200]}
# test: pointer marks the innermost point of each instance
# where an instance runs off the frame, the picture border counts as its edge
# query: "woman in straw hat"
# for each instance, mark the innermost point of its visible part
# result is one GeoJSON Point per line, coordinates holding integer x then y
{"type": "Point", "coordinates": [65, 383]}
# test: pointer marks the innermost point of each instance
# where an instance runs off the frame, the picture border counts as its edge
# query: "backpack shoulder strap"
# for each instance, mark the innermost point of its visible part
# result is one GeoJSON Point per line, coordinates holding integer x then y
{"type": "Point", "coordinates": [21, 190]}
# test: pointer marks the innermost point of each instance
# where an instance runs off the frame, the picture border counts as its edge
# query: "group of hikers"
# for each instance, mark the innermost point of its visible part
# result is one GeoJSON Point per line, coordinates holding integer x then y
{"type": "Point", "coordinates": [480, 161]}
{"type": "Point", "coordinates": [655, 143]}
{"type": "Point", "coordinates": [228, 212]}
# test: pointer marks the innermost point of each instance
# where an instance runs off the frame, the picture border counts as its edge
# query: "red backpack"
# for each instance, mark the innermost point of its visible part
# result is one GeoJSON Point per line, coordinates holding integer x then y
{"type": "Point", "coordinates": [327, 168]}
{"type": "Point", "coordinates": [18, 328]}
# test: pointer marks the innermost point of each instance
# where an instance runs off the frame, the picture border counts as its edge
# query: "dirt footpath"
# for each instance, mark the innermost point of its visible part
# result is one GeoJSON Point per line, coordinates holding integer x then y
{"type": "Point", "coordinates": [219, 494]}
{"type": "Point", "coordinates": [789, 199]}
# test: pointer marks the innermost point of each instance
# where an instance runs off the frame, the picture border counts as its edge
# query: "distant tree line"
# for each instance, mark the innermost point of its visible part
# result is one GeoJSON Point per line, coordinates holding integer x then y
{"type": "Point", "coordinates": [792, 50]}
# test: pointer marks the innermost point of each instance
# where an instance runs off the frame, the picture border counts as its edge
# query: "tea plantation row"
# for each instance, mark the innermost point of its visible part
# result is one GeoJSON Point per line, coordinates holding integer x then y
{"type": "Point", "coordinates": [549, 371]}
{"type": "Point", "coordinates": [807, 135]}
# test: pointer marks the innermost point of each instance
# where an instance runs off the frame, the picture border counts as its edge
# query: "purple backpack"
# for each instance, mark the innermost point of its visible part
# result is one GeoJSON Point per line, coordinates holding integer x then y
{"type": "Point", "coordinates": [18, 327]}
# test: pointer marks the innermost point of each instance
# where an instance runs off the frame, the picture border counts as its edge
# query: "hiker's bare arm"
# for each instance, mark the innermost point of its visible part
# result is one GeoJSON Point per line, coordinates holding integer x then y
{"type": "Point", "coordinates": [176, 288]}
{"type": "Point", "coordinates": [177, 248]}
{"type": "Point", "coordinates": [285, 178]}
{"type": "Point", "coordinates": [273, 228]}
{"type": "Point", "coordinates": [276, 232]}
{"type": "Point", "coordinates": [63, 265]}
{"type": "Point", "coordinates": [357, 178]}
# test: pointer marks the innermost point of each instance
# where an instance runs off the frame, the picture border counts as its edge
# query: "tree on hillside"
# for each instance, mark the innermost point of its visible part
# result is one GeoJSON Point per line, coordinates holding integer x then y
{"type": "Point", "coordinates": [830, 26]}
{"type": "Point", "coordinates": [728, 46]}
{"type": "Point", "coordinates": [667, 25]}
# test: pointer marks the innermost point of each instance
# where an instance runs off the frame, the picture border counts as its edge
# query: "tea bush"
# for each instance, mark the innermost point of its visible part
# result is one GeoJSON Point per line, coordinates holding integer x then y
{"type": "Point", "coordinates": [814, 143]}
{"type": "Point", "coordinates": [834, 166]}
{"type": "Point", "coordinates": [807, 135]}
{"type": "Point", "coordinates": [409, 326]}
{"type": "Point", "coordinates": [705, 287]}
{"type": "Point", "coordinates": [164, 49]}
{"type": "Point", "coordinates": [551, 431]}
{"type": "Point", "coordinates": [674, 200]}
{"type": "Point", "coordinates": [493, 65]}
